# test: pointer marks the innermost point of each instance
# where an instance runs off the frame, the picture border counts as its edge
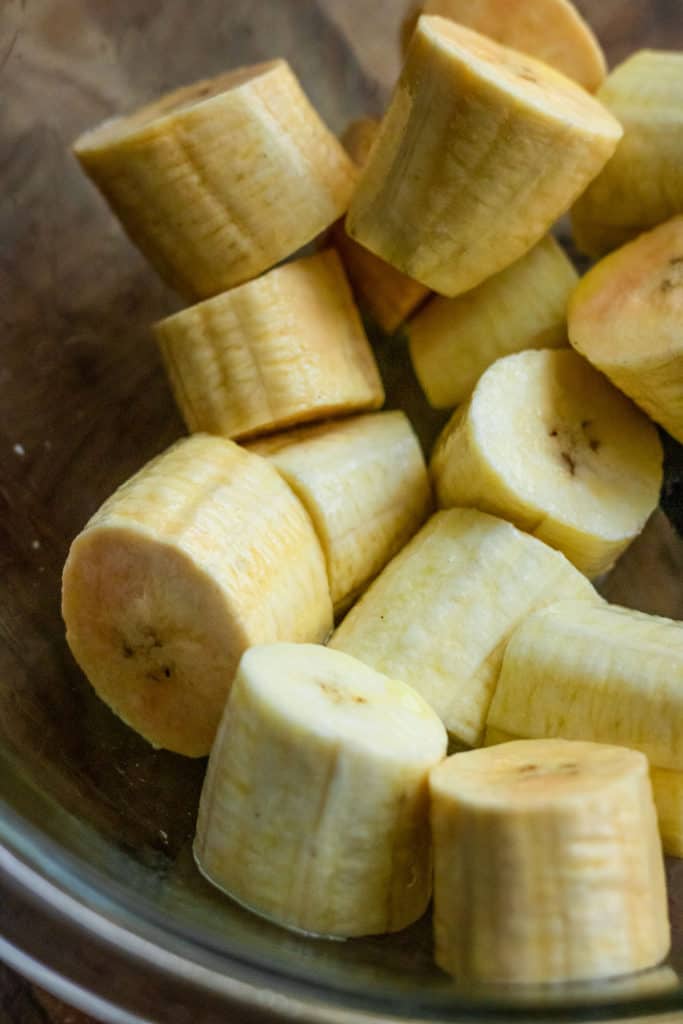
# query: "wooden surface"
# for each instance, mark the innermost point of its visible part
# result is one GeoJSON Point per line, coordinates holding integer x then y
{"type": "Point", "coordinates": [83, 397]}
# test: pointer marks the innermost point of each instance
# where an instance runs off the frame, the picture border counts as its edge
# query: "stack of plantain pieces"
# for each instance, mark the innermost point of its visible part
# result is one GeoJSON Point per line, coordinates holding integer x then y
{"type": "Point", "coordinates": [201, 599]}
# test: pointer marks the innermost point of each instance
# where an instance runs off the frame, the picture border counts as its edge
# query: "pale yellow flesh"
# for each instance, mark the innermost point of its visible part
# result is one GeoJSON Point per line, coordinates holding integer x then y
{"type": "Point", "coordinates": [547, 864]}
{"type": "Point", "coordinates": [364, 484]}
{"type": "Point", "coordinates": [220, 181]}
{"type": "Point", "coordinates": [201, 554]}
{"type": "Point", "coordinates": [667, 787]}
{"type": "Point", "coordinates": [599, 673]}
{"type": "Point", "coordinates": [480, 151]}
{"type": "Point", "coordinates": [314, 811]}
{"type": "Point", "coordinates": [453, 341]}
{"type": "Point", "coordinates": [550, 30]}
{"type": "Point", "coordinates": [642, 185]}
{"type": "Point", "coordinates": [388, 295]}
{"type": "Point", "coordinates": [626, 317]}
{"type": "Point", "coordinates": [667, 790]}
{"type": "Point", "coordinates": [284, 349]}
{"type": "Point", "coordinates": [359, 137]}
{"type": "Point", "coordinates": [549, 444]}
{"type": "Point", "coordinates": [439, 614]}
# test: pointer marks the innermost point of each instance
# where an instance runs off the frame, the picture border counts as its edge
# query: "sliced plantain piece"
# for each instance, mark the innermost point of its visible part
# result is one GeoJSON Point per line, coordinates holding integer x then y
{"type": "Point", "coordinates": [626, 318]}
{"type": "Point", "coordinates": [284, 349]}
{"type": "Point", "coordinates": [642, 185]}
{"type": "Point", "coordinates": [315, 810]}
{"type": "Point", "coordinates": [549, 444]}
{"type": "Point", "coordinates": [439, 614]}
{"type": "Point", "coordinates": [364, 484]}
{"type": "Point", "coordinates": [219, 181]}
{"type": "Point", "coordinates": [553, 31]}
{"type": "Point", "coordinates": [480, 151]}
{"type": "Point", "coordinates": [388, 295]}
{"type": "Point", "coordinates": [201, 554]}
{"type": "Point", "coordinates": [601, 673]}
{"type": "Point", "coordinates": [548, 865]}
{"type": "Point", "coordinates": [607, 674]}
{"type": "Point", "coordinates": [667, 789]}
{"type": "Point", "coordinates": [452, 341]}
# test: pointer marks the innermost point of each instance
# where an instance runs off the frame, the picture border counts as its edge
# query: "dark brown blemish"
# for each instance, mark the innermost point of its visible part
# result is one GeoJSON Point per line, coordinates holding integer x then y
{"type": "Point", "coordinates": [158, 675]}
{"type": "Point", "coordinates": [566, 768]}
{"type": "Point", "coordinates": [672, 282]}
{"type": "Point", "coordinates": [571, 464]}
{"type": "Point", "coordinates": [127, 651]}
{"type": "Point", "coordinates": [527, 74]}
{"type": "Point", "coordinates": [595, 446]}
{"type": "Point", "coordinates": [339, 697]}
{"type": "Point", "coordinates": [332, 692]}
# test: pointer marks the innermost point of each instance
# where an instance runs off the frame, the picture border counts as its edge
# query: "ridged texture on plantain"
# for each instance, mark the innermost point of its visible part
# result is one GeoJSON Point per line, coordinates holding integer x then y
{"type": "Point", "coordinates": [549, 444]}
{"type": "Point", "coordinates": [626, 318]}
{"type": "Point", "coordinates": [548, 865]}
{"type": "Point", "coordinates": [364, 484]}
{"type": "Point", "coordinates": [439, 614]}
{"type": "Point", "coordinates": [607, 674]}
{"type": "Point", "coordinates": [219, 181]}
{"type": "Point", "coordinates": [553, 31]}
{"type": "Point", "coordinates": [284, 349]}
{"type": "Point", "coordinates": [452, 341]}
{"type": "Point", "coordinates": [599, 673]}
{"type": "Point", "coordinates": [202, 553]}
{"type": "Point", "coordinates": [667, 789]}
{"type": "Point", "coordinates": [314, 811]}
{"type": "Point", "coordinates": [388, 295]}
{"type": "Point", "coordinates": [642, 185]}
{"type": "Point", "coordinates": [480, 151]}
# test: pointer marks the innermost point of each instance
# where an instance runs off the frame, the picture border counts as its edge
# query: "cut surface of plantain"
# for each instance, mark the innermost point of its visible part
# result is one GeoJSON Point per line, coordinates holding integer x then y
{"type": "Point", "coordinates": [553, 31]}
{"type": "Point", "coordinates": [387, 294]}
{"type": "Point", "coordinates": [439, 614]}
{"type": "Point", "coordinates": [315, 811]}
{"type": "Point", "coordinates": [201, 554]}
{"type": "Point", "coordinates": [364, 483]}
{"type": "Point", "coordinates": [642, 185]}
{"type": "Point", "coordinates": [481, 150]}
{"type": "Point", "coordinates": [548, 864]}
{"type": "Point", "coordinates": [452, 341]}
{"type": "Point", "coordinates": [219, 181]}
{"type": "Point", "coordinates": [626, 318]}
{"type": "Point", "coordinates": [286, 348]}
{"type": "Point", "coordinates": [546, 442]}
